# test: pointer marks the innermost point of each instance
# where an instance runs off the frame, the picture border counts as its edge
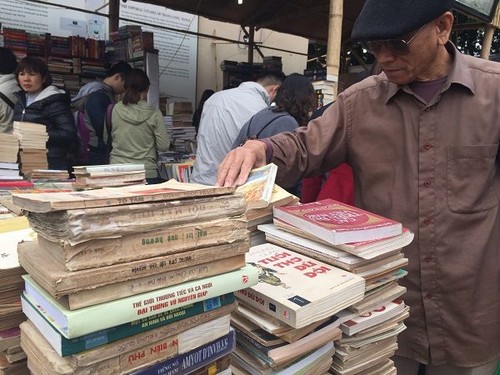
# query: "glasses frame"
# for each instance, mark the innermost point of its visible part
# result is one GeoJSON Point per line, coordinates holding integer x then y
{"type": "Point", "coordinates": [396, 46]}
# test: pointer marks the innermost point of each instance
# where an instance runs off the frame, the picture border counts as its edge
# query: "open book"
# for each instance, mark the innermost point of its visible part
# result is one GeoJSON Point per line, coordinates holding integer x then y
{"type": "Point", "coordinates": [258, 189]}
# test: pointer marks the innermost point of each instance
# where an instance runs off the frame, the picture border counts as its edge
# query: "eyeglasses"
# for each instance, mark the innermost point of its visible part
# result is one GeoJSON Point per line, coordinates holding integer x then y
{"type": "Point", "coordinates": [396, 46]}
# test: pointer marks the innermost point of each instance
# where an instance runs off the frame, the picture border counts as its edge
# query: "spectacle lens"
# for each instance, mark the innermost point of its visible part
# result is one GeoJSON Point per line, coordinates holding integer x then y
{"type": "Point", "coordinates": [395, 46]}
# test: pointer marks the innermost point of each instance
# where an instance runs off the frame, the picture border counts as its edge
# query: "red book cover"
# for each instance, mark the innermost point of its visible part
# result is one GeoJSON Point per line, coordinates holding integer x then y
{"type": "Point", "coordinates": [338, 223]}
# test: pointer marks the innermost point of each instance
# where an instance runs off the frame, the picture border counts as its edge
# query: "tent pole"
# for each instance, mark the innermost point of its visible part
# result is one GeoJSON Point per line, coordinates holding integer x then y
{"type": "Point", "coordinates": [334, 44]}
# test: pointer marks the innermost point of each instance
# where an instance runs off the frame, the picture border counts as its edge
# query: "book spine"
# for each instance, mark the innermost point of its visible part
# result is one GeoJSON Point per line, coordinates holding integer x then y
{"type": "Point", "coordinates": [60, 282]}
{"type": "Point", "coordinates": [65, 347]}
{"type": "Point", "coordinates": [242, 337]}
{"type": "Point", "coordinates": [103, 252]}
{"type": "Point", "coordinates": [132, 287]}
{"type": "Point", "coordinates": [193, 360]}
{"type": "Point", "coordinates": [110, 168]}
{"type": "Point", "coordinates": [86, 224]}
{"type": "Point", "coordinates": [91, 319]}
{"type": "Point", "coordinates": [271, 307]}
{"type": "Point", "coordinates": [142, 348]}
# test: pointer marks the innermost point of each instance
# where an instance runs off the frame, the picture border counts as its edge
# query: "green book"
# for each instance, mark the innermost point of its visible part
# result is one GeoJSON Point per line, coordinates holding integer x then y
{"type": "Point", "coordinates": [65, 347]}
{"type": "Point", "coordinates": [91, 319]}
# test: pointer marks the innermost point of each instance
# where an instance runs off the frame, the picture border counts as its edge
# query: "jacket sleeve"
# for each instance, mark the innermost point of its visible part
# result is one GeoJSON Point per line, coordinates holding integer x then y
{"type": "Point", "coordinates": [162, 139]}
{"type": "Point", "coordinates": [314, 149]}
{"type": "Point", "coordinates": [61, 127]}
{"type": "Point", "coordinates": [95, 107]}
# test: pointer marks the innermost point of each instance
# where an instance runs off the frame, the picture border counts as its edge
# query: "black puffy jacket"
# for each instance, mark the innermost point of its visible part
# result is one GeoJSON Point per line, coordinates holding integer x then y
{"type": "Point", "coordinates": [52, 109]}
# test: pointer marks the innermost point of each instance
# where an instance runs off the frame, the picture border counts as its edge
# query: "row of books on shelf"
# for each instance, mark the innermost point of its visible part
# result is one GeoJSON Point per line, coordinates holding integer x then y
{"type": "Point", "coordinates": [23, 43]}
{"type": "Point", "coordinates": [129, 42]}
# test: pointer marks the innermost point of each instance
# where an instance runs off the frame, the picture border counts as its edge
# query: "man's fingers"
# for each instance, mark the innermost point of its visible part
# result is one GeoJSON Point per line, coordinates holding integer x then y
{"type": "Point", "coordinates": [238, 163]}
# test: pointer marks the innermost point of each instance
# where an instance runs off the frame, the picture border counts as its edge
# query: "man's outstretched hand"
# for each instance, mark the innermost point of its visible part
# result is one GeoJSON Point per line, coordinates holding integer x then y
{"type": "Point", "coordinates": [236, 166]}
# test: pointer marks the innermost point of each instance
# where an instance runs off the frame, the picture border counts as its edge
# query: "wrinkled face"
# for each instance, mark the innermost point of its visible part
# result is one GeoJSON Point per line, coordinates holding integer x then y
{"type": "Point", "coordinates": [30, 82]}
{"type": "Point", "coordinates": [420, 60]}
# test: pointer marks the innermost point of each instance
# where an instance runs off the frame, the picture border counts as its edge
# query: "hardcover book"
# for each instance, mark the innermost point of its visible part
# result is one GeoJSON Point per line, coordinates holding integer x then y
{"type": "Point", "coordinates": [167, 191]}
{"type": "Point", "coordinates": [211, 308]}
{"type": "Point", "coordinates": [296, 289]}
{"type": "Point", "coordinates": [338, 223]}
{"type": "Point", "coordinates": [90, 319]}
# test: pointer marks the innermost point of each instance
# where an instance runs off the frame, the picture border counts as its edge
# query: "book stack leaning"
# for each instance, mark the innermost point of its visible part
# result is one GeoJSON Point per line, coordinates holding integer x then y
{"type": "Point", "coordinates": [369, 246]}
{"type": "Point", "coordinates": [135, 279]}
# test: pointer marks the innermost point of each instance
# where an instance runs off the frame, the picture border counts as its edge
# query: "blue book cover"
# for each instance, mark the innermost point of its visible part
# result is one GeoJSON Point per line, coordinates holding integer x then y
{"type": "Point", "coordinates": [194, 359]}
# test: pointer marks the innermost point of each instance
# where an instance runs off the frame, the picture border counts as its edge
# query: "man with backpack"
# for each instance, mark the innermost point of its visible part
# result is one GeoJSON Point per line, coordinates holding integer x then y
{"type": "Point", "coordinates": [92, 104]}
{"type": "Point", "coordinates": [8, 86]}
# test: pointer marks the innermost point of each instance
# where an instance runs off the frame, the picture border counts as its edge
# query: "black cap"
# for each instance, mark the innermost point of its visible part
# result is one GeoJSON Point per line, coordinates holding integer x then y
{"type": "Point", "coordinates": [388, 19]}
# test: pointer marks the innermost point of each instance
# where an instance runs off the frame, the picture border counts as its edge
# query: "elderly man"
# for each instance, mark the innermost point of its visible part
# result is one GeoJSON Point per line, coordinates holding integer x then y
{"type": "Point", "coordinates": [423, 142]}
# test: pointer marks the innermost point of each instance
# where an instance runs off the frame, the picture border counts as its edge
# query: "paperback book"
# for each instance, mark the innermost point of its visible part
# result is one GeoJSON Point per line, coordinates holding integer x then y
{"type": "Point", "coordinates": [167, 191]}
{"type": "Point", "coordinates": [86, 320]}
{"type": "Point", "coordinates": [296, 289]}
{"type": "Point", "coordinates": [338, 223]}
{"type": "Point", "coordinates": [258, 189]}
{"type": "Point", "coordinates": [213, 307]}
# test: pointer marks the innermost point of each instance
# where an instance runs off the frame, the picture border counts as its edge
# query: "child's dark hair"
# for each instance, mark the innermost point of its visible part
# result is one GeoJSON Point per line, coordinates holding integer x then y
{"type": "Point", "coordinates": [136, 82]}
{"type": "Point", "coordinates": [34, 65]}
{"type": "Point", "coordinates": [296, 96]}
{"type": "Point", "coordinates": [8, 61]}
{"type": "Point", "coordinates": [121, 67]}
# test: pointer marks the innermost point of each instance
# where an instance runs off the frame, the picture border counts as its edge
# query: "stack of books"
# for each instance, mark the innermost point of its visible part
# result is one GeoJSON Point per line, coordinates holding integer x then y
{"type": "Point", "coordinates": [98, 176]}
{"type": "Point", "coordinates": [9, 148]}
{"type": "Point", "coordinates": [32, 143]}
{"type": "Point", "coordinates": [47, 175]}
{"type": "Point", "coordinates": [132, 280]}
{"type": "Point", "coordinates": [12, 357]}
{"type": "Point", "coordinates": [367, 245]}
{"type": "Point", "coordinates": [286, 323]}
{"type": "Point", "coordinates": [262, 194]}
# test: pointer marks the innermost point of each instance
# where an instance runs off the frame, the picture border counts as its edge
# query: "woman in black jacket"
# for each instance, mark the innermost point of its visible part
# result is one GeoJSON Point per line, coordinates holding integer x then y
{"type": "Point", "coordinates": [43, 103]}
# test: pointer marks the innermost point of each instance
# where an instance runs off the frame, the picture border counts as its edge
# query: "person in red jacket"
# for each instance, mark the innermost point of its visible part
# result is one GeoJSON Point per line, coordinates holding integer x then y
{"type": "Point", "coordinates": [337, 184]}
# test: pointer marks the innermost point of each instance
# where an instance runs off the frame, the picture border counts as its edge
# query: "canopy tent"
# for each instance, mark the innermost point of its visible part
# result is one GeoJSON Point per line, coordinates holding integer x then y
{"type": "Point", "coordinates": [306, 18]}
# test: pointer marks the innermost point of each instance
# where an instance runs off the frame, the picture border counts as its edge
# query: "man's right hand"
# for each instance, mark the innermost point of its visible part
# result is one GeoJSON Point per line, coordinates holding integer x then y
{"type": "Point", "coordinates": [238, 163]}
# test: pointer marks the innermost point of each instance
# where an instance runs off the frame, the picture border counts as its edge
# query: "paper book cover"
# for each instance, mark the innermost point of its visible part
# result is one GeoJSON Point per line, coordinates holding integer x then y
{"type": "Point", "coordinates": [85, 224]}
{"type": "Point", "coordinates": [177, 238]}
{"type": "Point", "coordinates": [194, 359]}
{"type": "Point", "coordinates": [373, 317]}
{"type": "Point", "coordinates": [167, 191]}
{"type": "Point", "coordinates": [94, 318]}
{"type": "Point", "coordinates": [123, 289]}
{"type": "Point", "coordinates": [13, 231]}
{"type": "Point", "coordinates": [63, 346]}
{"type": "Point", "coordinates": [59, 282]}
{"type": "Point", "coordinates": [130, 358]}
{"type": "Point", "coordinates": [258, 189]}
{"type": "Point", "coordinates": [371, 249]}
{"type": "Point", "coordinates": [337, 222]}
{"type": "Point", "coordinates": [297, 289]}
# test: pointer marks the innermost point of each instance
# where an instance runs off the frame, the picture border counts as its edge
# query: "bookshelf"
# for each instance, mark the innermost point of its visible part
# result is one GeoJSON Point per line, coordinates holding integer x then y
{"type": "Point", "coordinates": [234, 73]}
{"type": "Point", "coordinates": [72, 61]}
{"type": "Point", "coordinates": [129, 43]}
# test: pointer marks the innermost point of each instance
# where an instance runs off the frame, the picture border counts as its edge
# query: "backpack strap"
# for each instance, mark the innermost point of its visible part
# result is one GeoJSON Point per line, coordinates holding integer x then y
{"type": "Point", "coordinates": [9, 102]}
{"type": "Point", "coordinates": [265, 126]}
{"type": "Point", "coordinates": [108, 125]}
